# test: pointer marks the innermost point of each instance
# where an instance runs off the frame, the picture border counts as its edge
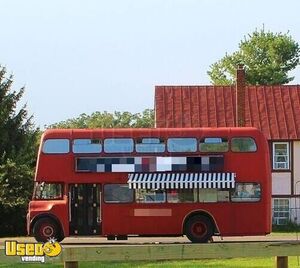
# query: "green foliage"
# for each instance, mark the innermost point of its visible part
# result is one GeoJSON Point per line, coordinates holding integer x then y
{"type": "Point", "coordinates": [109, 120]}
{"type": "Point", "coordinates": [16, 183]}
{"type": "Point", "coordinates": [267, 57]}
{"type": "Point", "coordinates": [17, 158]}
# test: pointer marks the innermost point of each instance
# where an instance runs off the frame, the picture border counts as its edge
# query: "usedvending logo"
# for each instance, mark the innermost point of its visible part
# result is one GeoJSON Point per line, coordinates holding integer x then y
{"type": "Point", "coordinates": [33, 252]}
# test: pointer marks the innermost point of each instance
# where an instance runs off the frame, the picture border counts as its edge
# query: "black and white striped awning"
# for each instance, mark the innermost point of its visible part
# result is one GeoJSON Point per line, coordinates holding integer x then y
{"type": "Point", "coordinates": [181, 180]}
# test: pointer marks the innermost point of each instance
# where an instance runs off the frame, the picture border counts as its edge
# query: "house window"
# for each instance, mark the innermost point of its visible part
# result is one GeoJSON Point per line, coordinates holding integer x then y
{"type": "Point", "coordinates": [281, 158]}
{"type": "Point", "coordinates": [281, 211]}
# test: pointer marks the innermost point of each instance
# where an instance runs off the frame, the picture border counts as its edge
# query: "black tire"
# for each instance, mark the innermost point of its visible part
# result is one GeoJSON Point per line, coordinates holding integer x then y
{"type": "Point", "coordinates": [199, 229]}
{"type": "Point", "coordinates": [46, 228]}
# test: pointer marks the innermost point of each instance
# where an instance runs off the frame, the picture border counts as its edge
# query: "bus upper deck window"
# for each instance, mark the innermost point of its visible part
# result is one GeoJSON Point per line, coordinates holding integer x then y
{"type": "Point", "coordinates": [150, 145]}
{"type": "Point", "coordinates": [214, 145]}
{"type": "Point", "coordinates": [118, 145]}
{"type": "Point", "coordinates": [243, 144]}
{"type": "Point", "coordinates": [176, 145]}
{"type": "Point", "coordinates": [56, 146]}
{"type": "Point", "coordinates": [48, 190]}
{"type": "Point", "coordinates": [87, 146]}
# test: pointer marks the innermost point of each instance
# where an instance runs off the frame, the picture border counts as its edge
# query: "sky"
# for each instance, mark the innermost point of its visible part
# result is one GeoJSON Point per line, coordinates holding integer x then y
{"type": "Point", "coordinates": [77, 57]}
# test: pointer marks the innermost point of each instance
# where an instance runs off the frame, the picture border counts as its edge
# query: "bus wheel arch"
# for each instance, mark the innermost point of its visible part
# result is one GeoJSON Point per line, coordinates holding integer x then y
{"type": "Point", "coordinates": [199, 226]}
{"type": "Point", "coordinates": [46, 226]}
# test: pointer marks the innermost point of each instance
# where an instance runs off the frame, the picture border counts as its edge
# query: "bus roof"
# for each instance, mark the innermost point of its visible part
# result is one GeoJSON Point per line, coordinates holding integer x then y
{"type": "Point", "coordinates": [136, 132]}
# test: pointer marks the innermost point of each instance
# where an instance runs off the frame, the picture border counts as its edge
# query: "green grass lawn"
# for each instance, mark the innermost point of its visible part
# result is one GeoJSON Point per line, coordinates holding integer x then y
{"type": "Point", "coordinates": [222, 263]}
{"type": "Point", "coordinates": [215, 263]}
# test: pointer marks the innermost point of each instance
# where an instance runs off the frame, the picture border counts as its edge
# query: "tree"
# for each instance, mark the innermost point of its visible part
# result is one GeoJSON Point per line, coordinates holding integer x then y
{"type": "Point", "coordinates": [17, 158]}
{"type": "Point", "coordinates": [109, 120]}
{"type": "Point", "coordinates": [268, 57]}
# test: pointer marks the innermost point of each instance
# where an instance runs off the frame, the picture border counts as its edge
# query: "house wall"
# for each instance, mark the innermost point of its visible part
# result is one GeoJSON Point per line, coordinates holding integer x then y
{"type": "Point", "coordinates": [295, 209]}
{"type": "Point", "coordinates": [296, 165]}
{"type": "Point", "coordinates": [281, 183]}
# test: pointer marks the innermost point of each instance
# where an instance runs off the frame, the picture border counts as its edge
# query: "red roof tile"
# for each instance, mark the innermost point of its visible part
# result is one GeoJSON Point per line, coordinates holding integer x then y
{"type": "Point", "coordinates": [275, 110]}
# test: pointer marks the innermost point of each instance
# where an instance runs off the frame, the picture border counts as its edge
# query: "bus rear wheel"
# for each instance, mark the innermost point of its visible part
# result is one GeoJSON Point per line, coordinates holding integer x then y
{"type": "Point", "coordinates": [199, 229]}
{"type": "Point", "coordinates": [46, 228]}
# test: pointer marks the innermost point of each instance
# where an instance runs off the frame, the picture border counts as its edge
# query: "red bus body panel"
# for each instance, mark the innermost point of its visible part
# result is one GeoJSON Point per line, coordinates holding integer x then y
{"type": "Point", "coordinates": [232, 219]}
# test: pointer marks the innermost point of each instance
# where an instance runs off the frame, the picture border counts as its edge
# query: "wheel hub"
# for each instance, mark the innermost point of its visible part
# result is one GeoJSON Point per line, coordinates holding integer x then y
{"type": "Point", "coordinates": [199, 229]}
{"type": "Point", "coordinates": [48, 231]}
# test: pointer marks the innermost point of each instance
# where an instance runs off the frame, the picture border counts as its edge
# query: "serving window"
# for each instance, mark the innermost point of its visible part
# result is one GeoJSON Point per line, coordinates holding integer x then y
{"type": "Point", "coordinates": [182, 196]}
{"type": "Point", "coordinates": [150, 196]}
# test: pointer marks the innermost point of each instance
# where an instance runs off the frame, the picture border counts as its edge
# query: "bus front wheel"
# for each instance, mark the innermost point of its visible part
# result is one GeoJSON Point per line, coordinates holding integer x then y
{"type": "Point", "coordinates": [46, 228]}
{"type": "Point", "coordinates": [199, 229]}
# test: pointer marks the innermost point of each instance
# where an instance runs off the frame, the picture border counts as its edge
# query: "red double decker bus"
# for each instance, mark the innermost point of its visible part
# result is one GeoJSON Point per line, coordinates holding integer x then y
{"type": "Point", "coordinates": [197, 182]}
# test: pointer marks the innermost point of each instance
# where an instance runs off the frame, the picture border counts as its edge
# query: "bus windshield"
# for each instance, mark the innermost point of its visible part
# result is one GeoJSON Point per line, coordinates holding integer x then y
{"type": "Point", "coordinates": [48, 190]}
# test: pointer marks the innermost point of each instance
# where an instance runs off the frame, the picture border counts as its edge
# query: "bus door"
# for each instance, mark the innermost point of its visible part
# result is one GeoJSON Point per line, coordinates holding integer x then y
{"type": "Point", "coordinates": [85, 209]}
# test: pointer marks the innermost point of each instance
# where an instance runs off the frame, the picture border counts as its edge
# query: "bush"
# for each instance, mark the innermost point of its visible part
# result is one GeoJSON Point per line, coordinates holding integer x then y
{"type": "Point", "coordinates": [16, 186]}
{"type": "Point", "coordinates": [13, 221]}
{"type": "Point", "coordinates": [288, 227]}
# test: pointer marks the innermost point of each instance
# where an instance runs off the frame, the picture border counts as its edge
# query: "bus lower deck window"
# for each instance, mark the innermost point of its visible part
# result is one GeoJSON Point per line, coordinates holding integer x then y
{"type": "Point", "coordinates": [246, 192]}
{"type": "Point", "coordinates": [117, 193]}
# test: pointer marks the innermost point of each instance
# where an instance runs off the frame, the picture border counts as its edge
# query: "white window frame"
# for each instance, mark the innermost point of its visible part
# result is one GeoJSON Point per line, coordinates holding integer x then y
{"type": "Point", "coordinates": [276, 164]}
{"type": "Point", "coordinates": [281, 210]}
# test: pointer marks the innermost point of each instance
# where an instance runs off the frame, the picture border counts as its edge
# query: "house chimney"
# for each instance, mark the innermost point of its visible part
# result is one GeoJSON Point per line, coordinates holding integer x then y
{"type": "Point", "coordinates": [240, 96]}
